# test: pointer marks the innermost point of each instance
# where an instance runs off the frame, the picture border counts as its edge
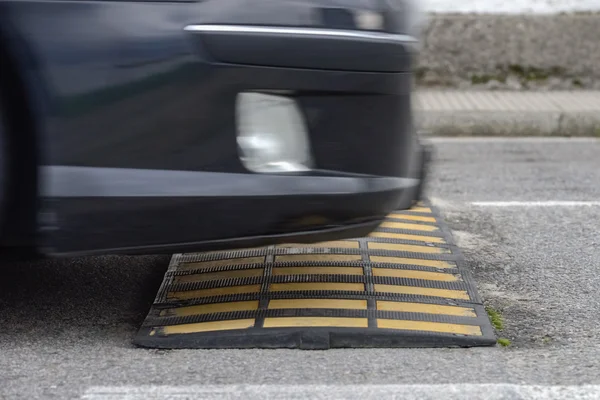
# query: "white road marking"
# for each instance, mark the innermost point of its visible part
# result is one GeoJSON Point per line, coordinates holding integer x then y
{"type": "Point", "coordinates": [552, 140]}
{"type": "Point", "coordinates": [536, 203]}
{"type": "Point", "coordinates": [348, 392]}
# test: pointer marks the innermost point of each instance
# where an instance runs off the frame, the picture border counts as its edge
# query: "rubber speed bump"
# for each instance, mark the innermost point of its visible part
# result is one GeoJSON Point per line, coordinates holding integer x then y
{"type": "Point", "coordinates": [403, 286]}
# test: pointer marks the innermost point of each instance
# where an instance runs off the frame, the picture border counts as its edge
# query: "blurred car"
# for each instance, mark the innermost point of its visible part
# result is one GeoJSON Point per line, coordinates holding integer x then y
{"type": "Point", "coordinates": [149, 127]}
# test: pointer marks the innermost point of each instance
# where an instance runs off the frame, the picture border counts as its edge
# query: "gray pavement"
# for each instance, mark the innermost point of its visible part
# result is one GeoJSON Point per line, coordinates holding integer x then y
{"type": "Point", "coordinates": [67, 324]}
{"type": "Point", "coordinates": [509, 113]}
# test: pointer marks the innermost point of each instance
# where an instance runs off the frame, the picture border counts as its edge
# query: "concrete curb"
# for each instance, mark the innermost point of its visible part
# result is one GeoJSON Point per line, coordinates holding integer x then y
{"type": "Point", "coordinates": [514, 52]}
{"type": "Point", "coordinates": [508, 113]}
{"type": "Point", "coordinates": [509, 123]}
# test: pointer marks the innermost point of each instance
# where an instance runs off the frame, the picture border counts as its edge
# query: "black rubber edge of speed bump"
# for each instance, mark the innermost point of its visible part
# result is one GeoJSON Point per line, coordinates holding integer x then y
{"type": "Point", "coordinates": [310, 339]}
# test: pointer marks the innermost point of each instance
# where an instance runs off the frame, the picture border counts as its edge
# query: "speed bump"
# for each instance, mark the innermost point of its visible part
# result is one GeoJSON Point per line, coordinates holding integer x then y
{"type": "Point", "coordinates": [405, 285]}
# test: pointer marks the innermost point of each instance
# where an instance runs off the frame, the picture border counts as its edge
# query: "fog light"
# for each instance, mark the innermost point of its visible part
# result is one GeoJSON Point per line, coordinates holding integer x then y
{"type": "Point", "coordinates": [272, 135]}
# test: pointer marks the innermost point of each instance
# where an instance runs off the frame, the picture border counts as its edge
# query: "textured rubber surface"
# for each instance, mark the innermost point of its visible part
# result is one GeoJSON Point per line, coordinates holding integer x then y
{"type": "Point", "coordinates": [403, 286]}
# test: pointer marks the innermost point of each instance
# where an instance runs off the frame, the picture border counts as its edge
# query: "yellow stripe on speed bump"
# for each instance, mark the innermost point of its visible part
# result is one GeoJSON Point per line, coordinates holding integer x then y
{"type": "Point", "coordinates": [203, 309]}
{"type": "Point", "coordinates": [420, 218]}
{"type": "Point", "coordinates": [308, 286]}
{"type": "Point", "coordinates": [410, 227]}
{"type": "Point", "coordinates": [411, 274]}
{"type": "Point", "coordinates": [318, 257]}
{"type": "Point", "coordinates": [425, 308]}
{"type": "Point", "coordinates": [421, 291]}
{"type": "Point", "coordinates": [318, 303]}
{"type": "Point", "coordinates": [339, 244]}
{"type": "Point", "coordinates": [277, 271]}
{"type": "Point", "coordinates": [289, 322]}
{"type": "Point", "coordinates": [402, 285]}
{"type": "Point", "coordinates": [211, 276]}
{"type": "Point", "coordinates": [207, 326]}
{"type": "Point", "coordinates": [440, 327]}
{"type": "Point", "coordinates": [411, 248]}
{"type": "Point", "coordinates": [404, 236]}
{"type": "Point", "coordinates": [412, 261]}
{"type": "Point", "coordinates": [424, 210]}
{"type": "Point", "coordinates": [220, 291]}
{"type": "Point", "coordinates": [221, 263]}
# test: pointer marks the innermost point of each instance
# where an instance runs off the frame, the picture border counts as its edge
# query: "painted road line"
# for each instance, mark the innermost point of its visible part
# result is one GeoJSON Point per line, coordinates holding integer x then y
{"type": "Point", "coordinates": [550, 203]}
{"type": "Point", "coordinates": [457, 391]}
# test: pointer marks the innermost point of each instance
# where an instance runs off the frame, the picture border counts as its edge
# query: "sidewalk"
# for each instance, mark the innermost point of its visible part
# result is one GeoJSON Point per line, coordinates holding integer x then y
{"type": "Point", "coordinates": [508, 113]}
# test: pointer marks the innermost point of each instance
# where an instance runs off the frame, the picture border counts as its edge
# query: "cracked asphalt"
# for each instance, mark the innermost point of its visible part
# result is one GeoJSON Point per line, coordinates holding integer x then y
{"type": "Point", "coordinates": [67, 324]}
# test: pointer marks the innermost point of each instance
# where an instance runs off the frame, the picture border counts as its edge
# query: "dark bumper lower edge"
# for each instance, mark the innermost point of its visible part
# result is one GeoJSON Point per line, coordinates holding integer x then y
{"type": "Point", "coordinates": [166, 224]}
{"type": "Point", "coordinates": [310, 236]}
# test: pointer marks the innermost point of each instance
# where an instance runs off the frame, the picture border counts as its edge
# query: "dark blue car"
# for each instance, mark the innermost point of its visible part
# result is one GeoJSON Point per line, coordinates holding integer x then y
{"type": "Point", "coordinates": [159, 126]}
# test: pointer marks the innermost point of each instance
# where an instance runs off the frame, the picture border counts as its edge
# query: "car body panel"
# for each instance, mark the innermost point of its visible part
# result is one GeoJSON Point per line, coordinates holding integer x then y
{"type": "Point", "coordinates": [136, 124]}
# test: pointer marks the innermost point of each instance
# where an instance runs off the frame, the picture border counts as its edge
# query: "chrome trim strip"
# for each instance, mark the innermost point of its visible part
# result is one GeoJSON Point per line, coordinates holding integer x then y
{"type": "Point", "coordinates": [310, 32]}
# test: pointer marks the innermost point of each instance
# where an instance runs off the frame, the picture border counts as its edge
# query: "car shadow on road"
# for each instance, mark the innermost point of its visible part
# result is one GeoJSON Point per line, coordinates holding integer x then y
{"type": "Point", "coordinates": [65, 296]}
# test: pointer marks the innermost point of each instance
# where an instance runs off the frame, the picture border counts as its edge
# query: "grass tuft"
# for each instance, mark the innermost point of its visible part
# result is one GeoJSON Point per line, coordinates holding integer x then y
{"type": "Point", "coordinates": [495, 318]}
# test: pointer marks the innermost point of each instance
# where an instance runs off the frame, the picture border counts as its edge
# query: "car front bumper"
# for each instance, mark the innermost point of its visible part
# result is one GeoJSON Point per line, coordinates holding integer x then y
{"type": "Point", "coordinates": [175, 182]}
{"type": "Point", "coordinates": [368, 159]}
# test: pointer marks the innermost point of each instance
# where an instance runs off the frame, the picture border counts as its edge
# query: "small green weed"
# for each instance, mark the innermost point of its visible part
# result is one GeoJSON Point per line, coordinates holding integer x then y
{"type": "Point", "coordinates": [495, 318]}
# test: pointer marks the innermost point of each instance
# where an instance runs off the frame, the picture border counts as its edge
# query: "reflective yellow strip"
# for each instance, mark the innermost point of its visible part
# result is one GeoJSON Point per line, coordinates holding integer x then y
{"type": "Point", "coordinates": [407, 247]}
{"type": "Point", "coordinates": [423, 210]}
{"type": "Point", "coordinates": [207, 326]}
{"type": "Point", "coordinates": [318, 257]}
{"type": "Point", "coordinates": [399, 306]}
{"type": "Point", "coordinates": [319, 303]}
{"type": "Point", "coordinates": [413, 261]}
{"type": "Point", "coordinates": [421, 291]}
{"type": "Point", "coordinates": [404, 236]}
{"type": "Point", "coordinates": [410, 274]}
{"type": "Point", "coordinates": [203, 309]}
{"type": "Point", "coordinates": [317, 271]}
{"type": "Point", "coordinates": [220, 263]}
{"type": "Point", "coordinates": [340, 244]}
{"type": "Point", "coordinates": [212, 276]}
{"type": "Point", "coordinates": [221, 291]}
{"type": "Point", "coordinates": [302, 286]}
{"type": "Point", "coordinates": [412, 217]}
{"type": "Point", "coordinates": [429, 327]}
{"type": "Point", "coordinates": [411, 227]}
{"type": "Point", "coordinates": [290, 322]}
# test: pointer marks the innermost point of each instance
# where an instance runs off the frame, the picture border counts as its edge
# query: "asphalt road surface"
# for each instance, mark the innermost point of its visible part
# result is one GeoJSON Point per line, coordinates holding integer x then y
{"type": "Point", "coordinates": [526, 213]}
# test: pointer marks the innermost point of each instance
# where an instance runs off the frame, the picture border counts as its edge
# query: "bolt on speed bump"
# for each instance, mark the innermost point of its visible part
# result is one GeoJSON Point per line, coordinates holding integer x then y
{"type": "Point", "coordinates": [405, 285]}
